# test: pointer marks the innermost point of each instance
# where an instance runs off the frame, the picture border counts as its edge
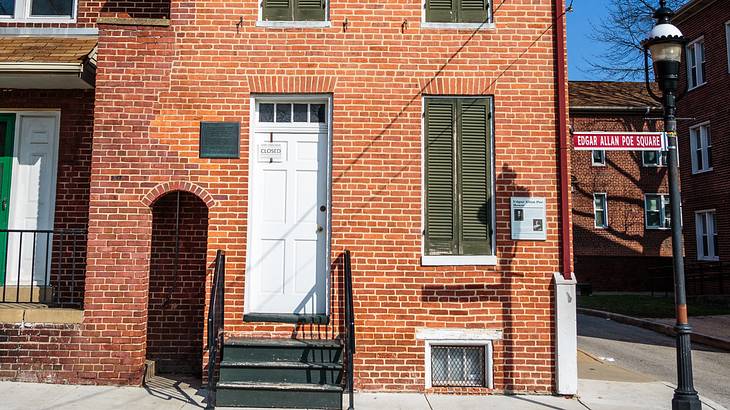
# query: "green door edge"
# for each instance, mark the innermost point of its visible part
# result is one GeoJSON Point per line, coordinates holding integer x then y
{"type": "Point", "coordinates": [6, 167]}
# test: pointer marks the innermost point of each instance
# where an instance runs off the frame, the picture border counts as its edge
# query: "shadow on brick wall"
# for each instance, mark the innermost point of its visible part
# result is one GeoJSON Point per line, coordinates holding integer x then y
{"type": "Point", "coordinates": [137, 9]}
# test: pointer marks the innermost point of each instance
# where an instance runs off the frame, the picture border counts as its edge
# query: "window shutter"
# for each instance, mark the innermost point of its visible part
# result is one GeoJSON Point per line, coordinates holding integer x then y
{"type": "Point", "coordinates": [440, 11]}
{"type": "Point", "coordinates": [277, 10]}
{"type": "Point", "coordinates": [440, 178]}
{"type": "Point", "coordinates": [474, 170]}
{"type": "Point", "coordinates": [472, 11]}
{"type": "Point", "coordinates": [309, 10]}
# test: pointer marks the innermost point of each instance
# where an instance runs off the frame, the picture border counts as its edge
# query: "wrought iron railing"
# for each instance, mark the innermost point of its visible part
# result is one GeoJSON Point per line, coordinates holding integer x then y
{"type": "Point", "coordinates": [215, 323]}
{"type": "Point", "coordinates": [702, 278]}
{"type": "Point", "coordinates": [349, 330]}
{"type": "Point", "coordinates": [43, 266]}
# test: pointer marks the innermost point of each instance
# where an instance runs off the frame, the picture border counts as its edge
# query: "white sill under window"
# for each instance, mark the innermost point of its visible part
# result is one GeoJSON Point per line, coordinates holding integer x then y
{"type": "Point", "coordinates": [293, 24]}
{"type": "Point", "coordinates": [696, 87]}
{"type": "Point", "coordinates": [458, 26]}
{"type": "Point", "coordinates": [458, 260]}
{"type": "Point", "coordinates": [701, 171]}
{"type": "Point", "coordinates": [708, 258]}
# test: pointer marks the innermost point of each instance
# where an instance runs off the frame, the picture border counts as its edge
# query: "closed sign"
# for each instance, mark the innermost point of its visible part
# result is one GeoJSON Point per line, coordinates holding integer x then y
{"type": "Point", "coordinates": [271, 152]}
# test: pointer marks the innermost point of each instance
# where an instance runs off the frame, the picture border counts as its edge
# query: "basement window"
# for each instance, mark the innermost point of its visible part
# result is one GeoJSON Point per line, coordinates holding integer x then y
{"type": "Point", "coordinates": [458, 366]}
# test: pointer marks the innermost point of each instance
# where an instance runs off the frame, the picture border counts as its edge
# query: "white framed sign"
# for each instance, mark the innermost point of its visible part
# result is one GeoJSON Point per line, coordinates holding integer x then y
{"type": "Point", "coordinates": [271, 152]}
{"type": "Point", "coordinates": [527, 218]}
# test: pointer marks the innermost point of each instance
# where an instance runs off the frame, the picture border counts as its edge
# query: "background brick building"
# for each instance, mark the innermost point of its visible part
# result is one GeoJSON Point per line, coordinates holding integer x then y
{"type": "Point", "coordinates": [704, 147]}
{"type": "Point", "coordinates": [615, 243]}
{"type": "Point", "coordinates": [375, 79]}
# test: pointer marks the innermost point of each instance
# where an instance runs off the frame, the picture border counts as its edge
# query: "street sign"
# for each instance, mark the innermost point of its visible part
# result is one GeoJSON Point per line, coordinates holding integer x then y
{"type": "Point", "coordinates": [619, 141]}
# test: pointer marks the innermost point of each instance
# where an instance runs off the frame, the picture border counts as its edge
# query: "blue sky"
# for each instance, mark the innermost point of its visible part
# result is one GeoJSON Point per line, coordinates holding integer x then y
{"type": "Point", "coordinates": [580, 47]}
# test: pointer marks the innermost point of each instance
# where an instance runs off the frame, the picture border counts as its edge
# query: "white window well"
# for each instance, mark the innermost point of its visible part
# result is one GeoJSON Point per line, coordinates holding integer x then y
{"type": "Point", "coordinates": [657, 211]}
{"type": "Point", "coordinates": [51, 11]}
{"type": "Point", "coordinates": [459, 357]}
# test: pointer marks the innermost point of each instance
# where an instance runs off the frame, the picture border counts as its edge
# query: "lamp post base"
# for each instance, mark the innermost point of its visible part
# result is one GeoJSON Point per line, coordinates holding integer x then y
{"type": "Point", "coordinates": [686, 401]}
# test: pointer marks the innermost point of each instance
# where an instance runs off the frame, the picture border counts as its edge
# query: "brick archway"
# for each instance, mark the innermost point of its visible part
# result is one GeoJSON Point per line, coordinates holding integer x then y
{"type": "Point", "coordinates": [163, 189]}
{"type": "Point", "coordinates": [176, 292]}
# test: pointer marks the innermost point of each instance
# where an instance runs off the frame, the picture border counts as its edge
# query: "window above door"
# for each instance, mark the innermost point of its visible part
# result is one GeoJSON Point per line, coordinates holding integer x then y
{"type": "Point", "coordinates": [54, 11]}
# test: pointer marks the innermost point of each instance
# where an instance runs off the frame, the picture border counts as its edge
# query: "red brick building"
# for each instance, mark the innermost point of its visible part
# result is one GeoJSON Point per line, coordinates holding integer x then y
{"type": "Point", "coordinates": [285, 136]}
{"type": "Point", "coordinates": [704, 149]}
{"type": "Point", "coordinates": [620, 225]}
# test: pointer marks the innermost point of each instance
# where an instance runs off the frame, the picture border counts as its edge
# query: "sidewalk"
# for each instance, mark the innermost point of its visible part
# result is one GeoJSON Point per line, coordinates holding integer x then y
{"type": "Point", "coordinates": [601, 387]}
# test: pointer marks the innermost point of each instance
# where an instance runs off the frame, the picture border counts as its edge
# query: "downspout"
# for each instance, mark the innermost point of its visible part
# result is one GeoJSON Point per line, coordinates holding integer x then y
{"type": "Point", "coordinates": [562, 128]}
{"type": "Point", "coordinates": [566, 340]}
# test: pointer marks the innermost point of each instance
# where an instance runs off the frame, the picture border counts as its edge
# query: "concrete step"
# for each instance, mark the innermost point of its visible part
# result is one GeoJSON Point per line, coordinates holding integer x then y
{"type": "Point", "coordinates": [282, 350]}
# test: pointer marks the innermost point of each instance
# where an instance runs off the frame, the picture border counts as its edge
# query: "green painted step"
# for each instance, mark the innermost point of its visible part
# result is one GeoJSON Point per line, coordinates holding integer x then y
{"type": "Point", "coordinates": [278, 395]}
{"type": "Point", "coordinates": [286, 372]}
{"type": "Point", "coordinates": [282, 350]}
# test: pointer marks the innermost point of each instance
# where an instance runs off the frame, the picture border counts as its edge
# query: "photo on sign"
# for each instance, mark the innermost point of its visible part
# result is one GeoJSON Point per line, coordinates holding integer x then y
{"type": "Point", "coordinates": [537, 225]}
{"type": "Point", "coordinates": [519, 215]}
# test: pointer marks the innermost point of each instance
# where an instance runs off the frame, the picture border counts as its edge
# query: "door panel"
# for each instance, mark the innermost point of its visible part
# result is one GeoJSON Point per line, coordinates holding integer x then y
{"type": "Point", "coordinates": [288, 243]}
{"type": "Point", "coordinates": [7, 132]}
{"type": "Point", "coordinates": [32, 198]}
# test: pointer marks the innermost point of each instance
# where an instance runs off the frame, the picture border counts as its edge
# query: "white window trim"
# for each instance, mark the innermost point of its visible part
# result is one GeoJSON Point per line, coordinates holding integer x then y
{"type": "Point", "coordinates": [698, 236]}
{"type": "Point", "coordinates": [460, 337]}
{"type": "Point", "coordinates": [661, 162]}
{"type": "Point", "coordinates": [700, 168]}
{"type": "Point", "coordinates": [727, 43]}
{"type": "Point", "coordinates": [598, 164]}
{"type": "Point", "coordinates": [457, 260]}
{"type": "Point", "coordinates": [487, 25]}
{"type": "Point", "coordinates": [605, 210]}
{"type": "Point", "coordinates": [698, 67]}
{"type": "Point", "coordinates": [260, 22]}
{"type": "Point", "coordinates": [662, 215]}
{"type": "Point", "coordinates": [22, 14]}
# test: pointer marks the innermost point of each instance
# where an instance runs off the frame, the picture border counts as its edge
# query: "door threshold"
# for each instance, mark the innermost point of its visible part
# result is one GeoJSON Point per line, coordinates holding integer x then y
{"type": "Point", "coordinates": [317, 319]}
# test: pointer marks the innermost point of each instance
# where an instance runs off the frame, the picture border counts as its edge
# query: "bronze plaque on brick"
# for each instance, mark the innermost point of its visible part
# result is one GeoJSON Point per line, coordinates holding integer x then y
{"type": "Point", "coordinates": [220, 139]}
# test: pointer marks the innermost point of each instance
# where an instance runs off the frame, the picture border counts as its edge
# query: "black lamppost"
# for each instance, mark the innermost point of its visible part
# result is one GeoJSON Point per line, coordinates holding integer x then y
{"type": "Point", "coordinates": [665, 43]}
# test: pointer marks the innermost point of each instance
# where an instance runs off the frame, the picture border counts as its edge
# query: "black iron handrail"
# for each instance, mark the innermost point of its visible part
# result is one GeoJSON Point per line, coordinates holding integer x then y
{"type": "Point", "coordinates": [349, 330]}
{"type": "Point", "coordinates": [699, 276]}
{"type": "Point", "coordinates": [53, 275]}
{"type": "Point", "coordinates": [215, 323]}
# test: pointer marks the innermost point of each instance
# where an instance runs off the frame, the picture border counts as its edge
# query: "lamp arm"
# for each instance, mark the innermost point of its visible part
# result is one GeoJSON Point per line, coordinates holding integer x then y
{"type": "Point", "coordinates": [646, 76]}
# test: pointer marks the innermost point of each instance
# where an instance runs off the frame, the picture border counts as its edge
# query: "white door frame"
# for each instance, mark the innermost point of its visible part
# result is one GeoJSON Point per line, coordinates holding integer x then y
{"type": "Point", "coordinates": [254, 127]}
{"type": "Point", "coordinates": [19, 115]}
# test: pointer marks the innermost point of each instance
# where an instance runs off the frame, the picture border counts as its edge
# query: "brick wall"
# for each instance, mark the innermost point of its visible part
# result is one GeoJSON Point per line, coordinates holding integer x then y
{"type": "Point", "coordinates": [88, 11]}
{"type": "Point", "coordinates": [154, 86]}
{"type": "Point", "coordinates": [709, 190]}
{"type": "Point", "coordinates": [176, 294]}
{"type": "Point", "coordinates": [624, 181]}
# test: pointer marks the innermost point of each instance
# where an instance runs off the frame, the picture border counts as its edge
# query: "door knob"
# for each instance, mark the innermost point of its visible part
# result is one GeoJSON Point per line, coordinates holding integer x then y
{"type": "Point", "coordinates": [319, 228]}
{"type": "Point", "coordinates": [5, 204]}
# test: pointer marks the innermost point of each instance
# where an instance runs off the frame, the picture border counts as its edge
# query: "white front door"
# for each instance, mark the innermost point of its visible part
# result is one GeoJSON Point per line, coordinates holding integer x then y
{"type": "Point", "coordinates": [32, 197]}
{"type": "Point", "coordinates": [288, 242]}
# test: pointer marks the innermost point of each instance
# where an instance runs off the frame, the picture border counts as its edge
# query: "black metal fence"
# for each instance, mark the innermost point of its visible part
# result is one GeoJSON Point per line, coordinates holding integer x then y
{"type": "Point", "coordinates": [702, 278]}
{"type": "Point", "coordinates": [43, 266]}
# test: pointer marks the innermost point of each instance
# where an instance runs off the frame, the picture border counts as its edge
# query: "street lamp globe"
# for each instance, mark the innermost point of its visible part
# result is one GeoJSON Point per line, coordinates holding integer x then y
{"type": "Point", "coordinates": [665, 43]}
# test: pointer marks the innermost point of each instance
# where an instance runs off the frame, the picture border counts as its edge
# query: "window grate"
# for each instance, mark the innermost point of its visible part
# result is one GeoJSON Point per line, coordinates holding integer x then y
{"type": "Point", "coordinates": [457, 366]}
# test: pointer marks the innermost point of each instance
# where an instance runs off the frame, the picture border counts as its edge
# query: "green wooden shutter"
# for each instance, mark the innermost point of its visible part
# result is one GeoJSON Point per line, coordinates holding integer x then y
{"type": "Point", "coordinates": [309, 10]}
{"type": "Point", "coordinates": [474, 176]}
{"type": "Point", "coordinates": [440, 11]}
{"type": "Point", "coordinates": [472, 11]}
{"type": "Point", "coordinates": [440, 179]}
{"type": "Point", "coordinates": [277, 10]}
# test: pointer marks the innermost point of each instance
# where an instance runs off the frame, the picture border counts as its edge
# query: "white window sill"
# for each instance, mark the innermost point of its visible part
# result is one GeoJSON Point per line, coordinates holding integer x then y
{"type": "Point", "coordinates": [62, 20]}
{"type": "Point", "coordinates": [598, 165]}
{"type": "Point", "coordinates": [701, 171]}
{"type": "Point", "coordinates": [458, 260]}
{"type": "Point", "coordinates": [696, 87]}
{"type": "Point", "coordinates": [658, 228]}
{"type": "Point", "coordinates": [294, 24]}
{"type": "Point", "coordinates": [458, 26]}
{"type": "Point", "coordinates": [708, 258]}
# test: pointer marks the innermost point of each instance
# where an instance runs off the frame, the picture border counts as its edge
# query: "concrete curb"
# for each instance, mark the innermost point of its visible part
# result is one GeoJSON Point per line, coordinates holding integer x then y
{"type": "Point", "coordinates": [668, 330]}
